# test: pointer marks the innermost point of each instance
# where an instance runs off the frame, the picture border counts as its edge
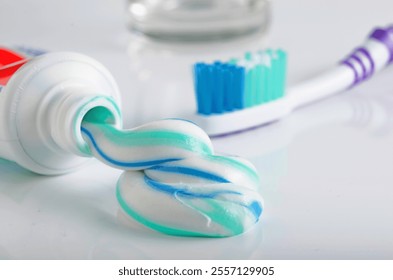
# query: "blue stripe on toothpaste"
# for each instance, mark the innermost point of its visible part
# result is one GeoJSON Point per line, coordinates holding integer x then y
{"type": "Point", "coordinates": [191, 172]}
{"type": "Point", "coordinates": [256, 209]}
{"type": "Point", "coordinates": [122, 163]}
{"type": "Point", "coordinates": [174, 191]}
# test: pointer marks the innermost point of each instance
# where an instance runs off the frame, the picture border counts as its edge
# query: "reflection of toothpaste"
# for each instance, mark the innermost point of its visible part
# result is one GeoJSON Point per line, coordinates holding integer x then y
{"type": "Point", "coordinates": [182, 188]}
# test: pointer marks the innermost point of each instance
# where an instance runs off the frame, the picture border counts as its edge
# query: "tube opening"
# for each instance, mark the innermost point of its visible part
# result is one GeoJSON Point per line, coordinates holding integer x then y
{"type": "Point", "coordinates": [100, 115]}
{"type": "Point", "coordinates": [102, 110]}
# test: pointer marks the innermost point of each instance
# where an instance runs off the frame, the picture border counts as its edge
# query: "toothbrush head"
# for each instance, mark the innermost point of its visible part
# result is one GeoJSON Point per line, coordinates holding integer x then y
{"type": "Point", "coordinates": [255, 79]}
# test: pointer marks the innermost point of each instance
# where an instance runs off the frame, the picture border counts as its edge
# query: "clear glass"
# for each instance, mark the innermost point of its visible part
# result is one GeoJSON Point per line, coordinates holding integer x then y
{"type": "Point", "coordinates": [198, 20]}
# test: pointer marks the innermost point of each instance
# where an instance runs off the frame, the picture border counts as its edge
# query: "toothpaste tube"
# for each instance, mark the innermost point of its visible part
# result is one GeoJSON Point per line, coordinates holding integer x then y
{"type": "Point", "coordinates": [43, 99]}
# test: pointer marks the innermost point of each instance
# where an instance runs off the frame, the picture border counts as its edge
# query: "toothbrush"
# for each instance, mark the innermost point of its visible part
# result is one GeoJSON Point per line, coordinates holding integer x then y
{"type": "Point", "coordinates": [248, 92]}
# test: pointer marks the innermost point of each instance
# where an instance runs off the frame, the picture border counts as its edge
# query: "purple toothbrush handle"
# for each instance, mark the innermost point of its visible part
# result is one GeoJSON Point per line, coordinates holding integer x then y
{"type": "Point", "coordinates": [361, 61]}
{"type": "Point", "coordinates": [385, 36]}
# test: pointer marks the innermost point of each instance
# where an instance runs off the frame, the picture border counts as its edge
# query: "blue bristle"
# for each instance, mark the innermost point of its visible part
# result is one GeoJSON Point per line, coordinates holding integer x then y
{"type": "Point", "coordinates": [209, 90]}
{"type": "Point", "coordinates": [229, 100]}
{"type": "Point", "coordinates": [240, 75]}
{"type": "Point", "coordinates": [218, 94]}
{"type": "Point", "coordinates": [218, 64]}
{"type": "Point", "coordinates": [204, 92]}
{"type": "Point", "coordinates": [226, 84]}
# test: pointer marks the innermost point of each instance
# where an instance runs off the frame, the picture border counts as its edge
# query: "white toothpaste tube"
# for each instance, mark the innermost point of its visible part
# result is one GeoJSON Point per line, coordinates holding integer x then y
{"type": "Point", "coordinates": [43, 100]}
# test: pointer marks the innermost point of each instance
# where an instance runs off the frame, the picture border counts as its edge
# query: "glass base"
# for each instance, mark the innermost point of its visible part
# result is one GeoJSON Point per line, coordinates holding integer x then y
{"type": "Point", "coordinates": [198, 20]}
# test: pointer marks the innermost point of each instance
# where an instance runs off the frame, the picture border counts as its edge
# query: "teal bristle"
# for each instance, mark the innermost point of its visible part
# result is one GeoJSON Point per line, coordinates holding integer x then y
{"type": "Point", "coordinates": [240, 83]}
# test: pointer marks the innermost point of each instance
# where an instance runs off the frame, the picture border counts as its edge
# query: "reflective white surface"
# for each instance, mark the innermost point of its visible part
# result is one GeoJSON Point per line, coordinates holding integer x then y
{"type": "Point", "coordinates": [326, 170]}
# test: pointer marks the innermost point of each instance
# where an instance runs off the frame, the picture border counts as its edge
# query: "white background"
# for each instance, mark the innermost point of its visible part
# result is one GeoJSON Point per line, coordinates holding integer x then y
{"type": "Point", "coordinates": [326, 170]}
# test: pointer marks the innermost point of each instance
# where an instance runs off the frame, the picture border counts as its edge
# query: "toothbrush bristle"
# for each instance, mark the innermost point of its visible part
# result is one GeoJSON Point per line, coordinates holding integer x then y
{"type": "Point", "coordinates": [240, 83]}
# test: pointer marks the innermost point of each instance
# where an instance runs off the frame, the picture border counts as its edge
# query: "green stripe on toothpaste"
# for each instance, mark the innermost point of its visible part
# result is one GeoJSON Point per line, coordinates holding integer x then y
{"type": "Point", "coordinates": [154, 138]}
{"type": "Point", "coordinates": [153, 225]}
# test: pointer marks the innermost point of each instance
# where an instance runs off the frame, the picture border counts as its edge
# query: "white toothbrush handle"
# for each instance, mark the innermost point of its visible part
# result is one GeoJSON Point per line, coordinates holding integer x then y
{"type": "Point", "coordinates": [375, 54]}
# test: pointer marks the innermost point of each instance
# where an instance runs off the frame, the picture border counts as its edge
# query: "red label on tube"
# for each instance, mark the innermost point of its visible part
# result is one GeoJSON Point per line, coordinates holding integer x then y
{"type": "Point", "coordinates": [10, 62]}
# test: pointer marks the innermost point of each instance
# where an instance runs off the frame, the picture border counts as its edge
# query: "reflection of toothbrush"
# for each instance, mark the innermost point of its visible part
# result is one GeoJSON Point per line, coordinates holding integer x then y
{"type": "Point", "coordinates": [369, 113]}
{"type": "Point", "coordinates": [246, 93]}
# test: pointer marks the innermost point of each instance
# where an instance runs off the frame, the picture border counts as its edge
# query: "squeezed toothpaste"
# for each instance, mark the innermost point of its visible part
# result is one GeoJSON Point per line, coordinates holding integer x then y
{"type": "Point", "coordinates": [173, 182]}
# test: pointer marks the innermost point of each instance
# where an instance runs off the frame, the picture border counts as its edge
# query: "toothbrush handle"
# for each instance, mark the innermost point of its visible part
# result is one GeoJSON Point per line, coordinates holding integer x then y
{"type": "Point", "coordinates": [360, 65]}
